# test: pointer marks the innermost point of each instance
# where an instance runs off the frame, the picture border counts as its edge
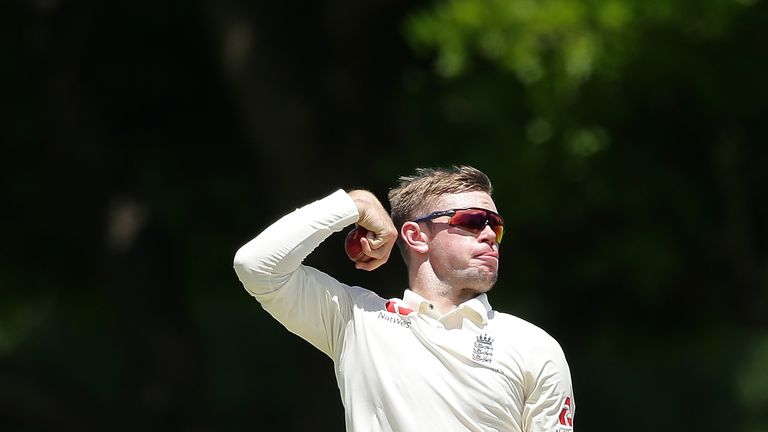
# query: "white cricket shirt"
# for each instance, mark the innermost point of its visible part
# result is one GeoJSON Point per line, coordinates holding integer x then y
{"type": "Point", "coordinates": [399, 364]}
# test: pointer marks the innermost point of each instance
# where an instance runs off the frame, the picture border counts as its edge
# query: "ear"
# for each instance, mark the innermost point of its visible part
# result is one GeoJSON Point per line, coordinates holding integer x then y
{"type": "Point", "coordinates": [414, 238]}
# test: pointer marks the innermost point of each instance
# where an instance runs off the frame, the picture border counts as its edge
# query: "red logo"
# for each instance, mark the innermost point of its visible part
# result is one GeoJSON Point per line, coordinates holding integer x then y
{"type": "Point", "coordinates": [566, 414]}
{"type": "Point", "coordinates": [396, 308]}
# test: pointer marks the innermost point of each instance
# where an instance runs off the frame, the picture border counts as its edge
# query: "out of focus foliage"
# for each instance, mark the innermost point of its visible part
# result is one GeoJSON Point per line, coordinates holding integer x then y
{"type": "Point", "coordinates": [561, 41]}
{"type": "Point", "coordinates": [144, 142]}
{"type": "Point", "coordinates": [627, 142]}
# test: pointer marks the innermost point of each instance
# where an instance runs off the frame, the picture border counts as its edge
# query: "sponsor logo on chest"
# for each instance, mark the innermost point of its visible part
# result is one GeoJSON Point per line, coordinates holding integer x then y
{"type": "Point", "coordinates": [394, 319]}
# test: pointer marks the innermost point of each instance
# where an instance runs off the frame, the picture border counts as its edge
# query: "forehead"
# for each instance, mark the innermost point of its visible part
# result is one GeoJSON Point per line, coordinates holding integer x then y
{"type": "Point", "coordinates": [465, 199]}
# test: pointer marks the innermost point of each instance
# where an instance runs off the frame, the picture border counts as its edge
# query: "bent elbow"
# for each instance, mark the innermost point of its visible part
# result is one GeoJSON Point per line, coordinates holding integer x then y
{"type": "Point", "coordinates": [253, 270]}
{"type": "Point", "coordinates": [243, 264]}
{"type": "Point", "coordinates": [239, 262]}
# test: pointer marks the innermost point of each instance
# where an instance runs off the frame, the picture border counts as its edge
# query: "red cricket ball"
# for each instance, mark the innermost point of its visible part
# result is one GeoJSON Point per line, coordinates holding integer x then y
{"type": "Point", "coordinates": [353, 247]}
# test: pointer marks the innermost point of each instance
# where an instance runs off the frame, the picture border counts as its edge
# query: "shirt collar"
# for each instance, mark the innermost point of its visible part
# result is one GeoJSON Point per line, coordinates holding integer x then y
{"type": "Point", "coordinates": [477, 309]}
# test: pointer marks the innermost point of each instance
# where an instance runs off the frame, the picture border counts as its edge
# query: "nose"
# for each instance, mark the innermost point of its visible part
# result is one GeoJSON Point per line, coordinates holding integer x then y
{"type": "Point", "coordinates": [487, 235]}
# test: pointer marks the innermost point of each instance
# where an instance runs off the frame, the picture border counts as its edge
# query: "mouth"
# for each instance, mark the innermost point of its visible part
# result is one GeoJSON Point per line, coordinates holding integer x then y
{"type": "Point", "coordinates": [488, 256]}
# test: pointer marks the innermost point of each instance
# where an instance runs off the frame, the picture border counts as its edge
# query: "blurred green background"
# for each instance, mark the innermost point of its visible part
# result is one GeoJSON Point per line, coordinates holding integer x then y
{"type": "Point", "coordinates": [144, 142]}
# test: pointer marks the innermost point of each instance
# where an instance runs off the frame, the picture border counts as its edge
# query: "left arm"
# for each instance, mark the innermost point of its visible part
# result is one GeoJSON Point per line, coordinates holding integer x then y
{"type": "Point", "coordinates": [549, 404]}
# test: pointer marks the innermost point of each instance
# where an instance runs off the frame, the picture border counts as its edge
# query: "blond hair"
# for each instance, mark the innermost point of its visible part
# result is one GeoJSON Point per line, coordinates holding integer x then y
{"type": "Point", "coordinates": [414, 195]}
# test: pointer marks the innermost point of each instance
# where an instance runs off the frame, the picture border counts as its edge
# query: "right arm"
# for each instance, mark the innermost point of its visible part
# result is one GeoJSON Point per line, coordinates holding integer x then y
{"type": "Point", "coordinates": [308, 302]}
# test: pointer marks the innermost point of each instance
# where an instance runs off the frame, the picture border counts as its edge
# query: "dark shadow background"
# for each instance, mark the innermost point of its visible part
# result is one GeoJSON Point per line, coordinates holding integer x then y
{"type": "Point", "coordinates": [144, 142]}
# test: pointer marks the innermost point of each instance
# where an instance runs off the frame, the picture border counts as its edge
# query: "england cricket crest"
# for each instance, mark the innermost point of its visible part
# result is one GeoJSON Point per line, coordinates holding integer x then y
{"type": "Point", "coordinates": [483, 349]}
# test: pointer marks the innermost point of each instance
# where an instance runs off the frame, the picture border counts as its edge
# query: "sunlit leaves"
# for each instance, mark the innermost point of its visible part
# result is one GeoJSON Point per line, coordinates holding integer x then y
{"type": "Point", "coordinates": [551, 39]}
{"type": "Point", "coordinates": [523, 36]}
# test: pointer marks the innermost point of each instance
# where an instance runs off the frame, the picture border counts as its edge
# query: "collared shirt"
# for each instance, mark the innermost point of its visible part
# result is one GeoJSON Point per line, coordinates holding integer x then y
{"type": "Point", "coordinates": [400, 364]}
{"type": "Point", "coordinates": [476, 310]}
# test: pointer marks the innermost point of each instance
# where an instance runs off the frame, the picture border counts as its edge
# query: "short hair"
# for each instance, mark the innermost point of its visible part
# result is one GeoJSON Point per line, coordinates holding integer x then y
{"type": "Point", "coordinates": [415, 194]}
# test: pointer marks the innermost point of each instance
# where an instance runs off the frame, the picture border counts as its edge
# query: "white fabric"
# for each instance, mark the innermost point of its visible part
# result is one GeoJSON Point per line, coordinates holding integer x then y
{"type": "Point", "coordinates": [472, 369]}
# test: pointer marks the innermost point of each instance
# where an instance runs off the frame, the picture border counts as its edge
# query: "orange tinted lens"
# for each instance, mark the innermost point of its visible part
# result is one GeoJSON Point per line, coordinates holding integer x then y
{"type": "Point", "coordinates": [475, 220]}
{"type": "Point", "coordinates": [497, 224]}
{"type": "Point", "coordinates": [499, 230]}
{"type": "Point", "coordinates": [471, 220]}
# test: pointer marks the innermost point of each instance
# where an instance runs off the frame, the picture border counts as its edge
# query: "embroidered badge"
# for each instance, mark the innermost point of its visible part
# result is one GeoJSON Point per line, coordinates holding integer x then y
{"type": "Point", "coordinates": [566, 416]}
{"type": "Point", "coordinates": [483, 349]}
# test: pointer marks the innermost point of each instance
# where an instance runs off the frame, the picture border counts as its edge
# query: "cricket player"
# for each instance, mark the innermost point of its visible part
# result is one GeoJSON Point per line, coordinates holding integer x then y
{"type": "Point", "coordinates": [438, 359]}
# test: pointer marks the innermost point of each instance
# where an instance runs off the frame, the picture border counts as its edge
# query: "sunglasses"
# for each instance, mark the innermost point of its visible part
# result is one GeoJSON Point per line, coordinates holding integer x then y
{"type": "Point", "coordinates": [472, 219]}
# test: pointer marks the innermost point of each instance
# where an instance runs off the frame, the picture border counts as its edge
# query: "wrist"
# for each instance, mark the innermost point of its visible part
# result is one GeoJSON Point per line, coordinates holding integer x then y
{"type": "Point", "coordinates": [363, 200]}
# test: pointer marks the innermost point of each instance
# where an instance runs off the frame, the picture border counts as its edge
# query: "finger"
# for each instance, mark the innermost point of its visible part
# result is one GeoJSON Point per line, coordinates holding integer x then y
{"type": "Point", "coordinates": [370, 265]}
{"type": "Point", "coordinates": [382, 238]}
{"type": "Point", "coordinates": [374, 258]}
{"type": "Point", "coordinates": [382, 251]}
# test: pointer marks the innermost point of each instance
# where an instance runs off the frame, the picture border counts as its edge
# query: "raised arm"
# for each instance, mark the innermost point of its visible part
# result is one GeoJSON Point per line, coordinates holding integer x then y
{"type": "Point", "coordinates": [276, 252]}
{"type": "Point", "coordinates": [306, 301]}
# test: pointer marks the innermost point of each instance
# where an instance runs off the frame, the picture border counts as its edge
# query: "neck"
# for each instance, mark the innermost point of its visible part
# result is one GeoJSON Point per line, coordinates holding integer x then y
{"type": "Point", "coordinates": [444, 296]}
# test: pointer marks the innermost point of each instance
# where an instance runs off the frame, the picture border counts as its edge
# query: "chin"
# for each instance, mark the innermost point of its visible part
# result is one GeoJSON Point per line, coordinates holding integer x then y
{"type": "Point", "coordinates": [484, 282]}
{"type": "Point", "coordinates": [476, 280]}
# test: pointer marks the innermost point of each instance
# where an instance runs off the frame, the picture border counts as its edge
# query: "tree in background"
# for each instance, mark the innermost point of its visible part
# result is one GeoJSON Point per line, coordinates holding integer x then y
{"type": "Point", "coordinates": [629, 142]}
{"type": "Point", "coordinates": [143, 142]}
